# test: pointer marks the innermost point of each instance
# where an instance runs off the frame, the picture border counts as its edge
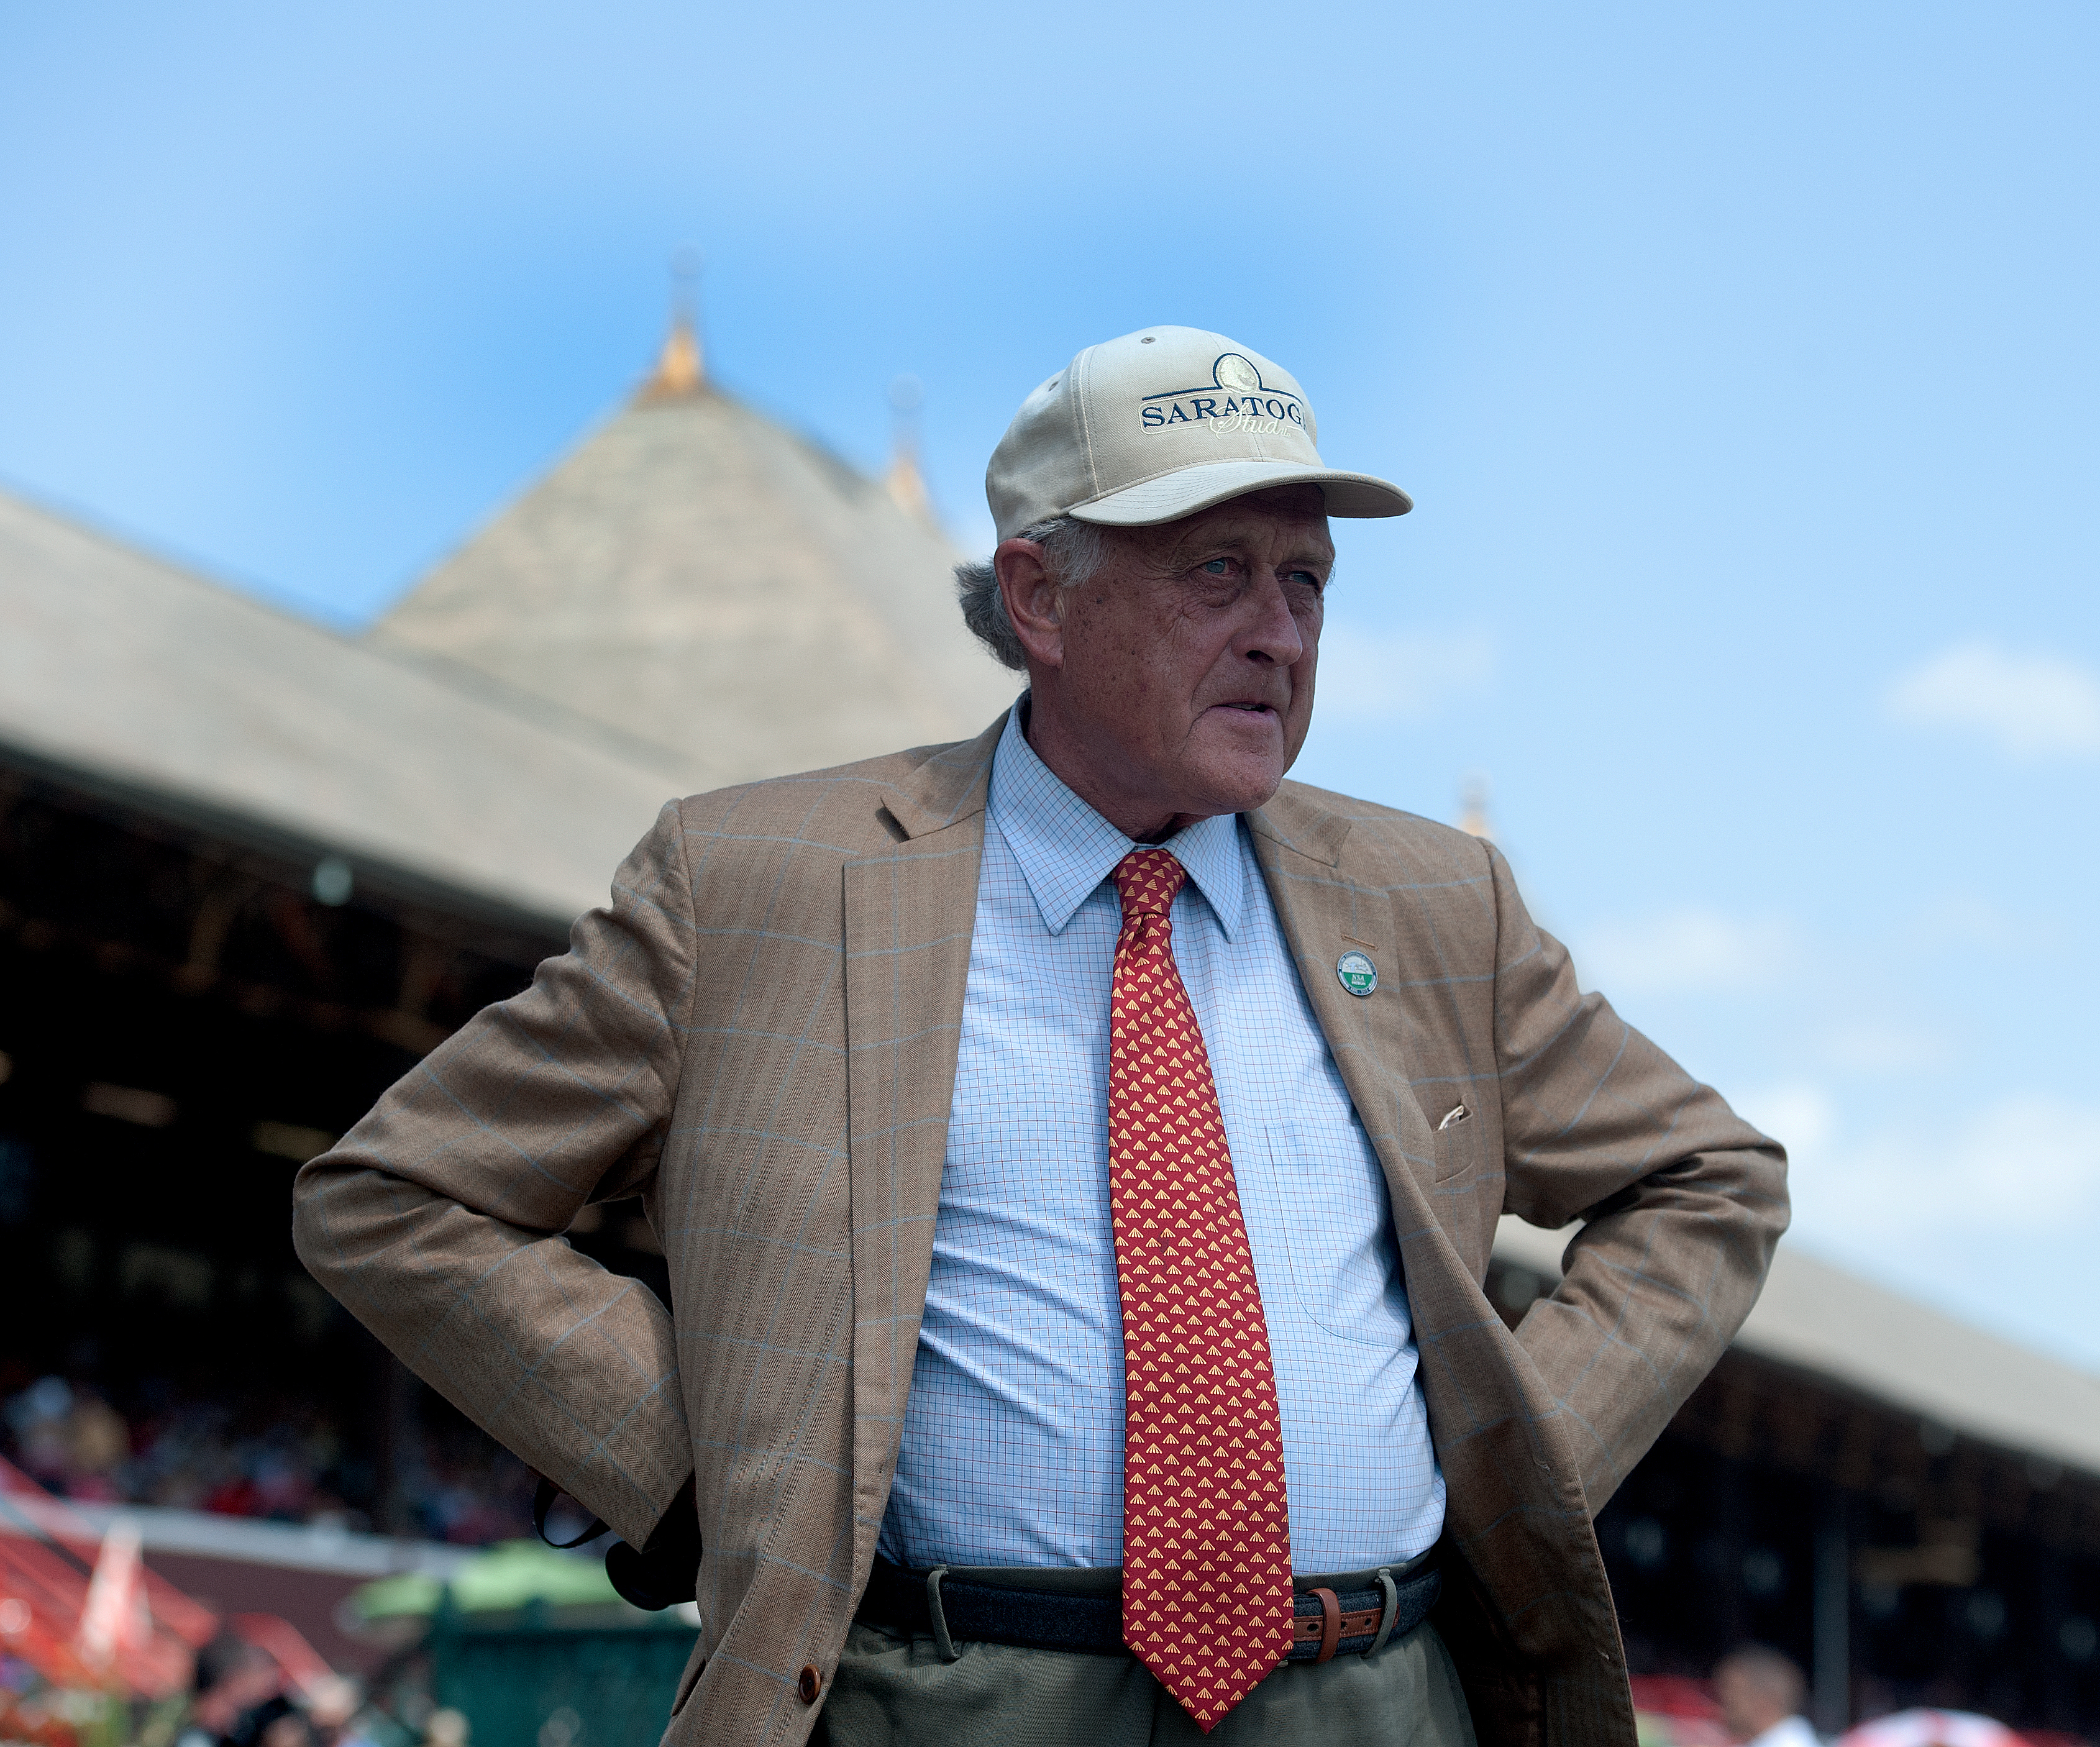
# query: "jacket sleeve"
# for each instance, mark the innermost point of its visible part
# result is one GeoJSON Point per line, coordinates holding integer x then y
{"type": "Point", "coordinates": [438, 1220]}
{"type": "Point", "coordinates": [1682, 1201]}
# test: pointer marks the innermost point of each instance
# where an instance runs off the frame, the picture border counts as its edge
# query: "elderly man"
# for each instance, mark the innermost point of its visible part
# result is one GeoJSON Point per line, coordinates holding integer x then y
{"type": "Point", "coordinates": [1077, 1154]}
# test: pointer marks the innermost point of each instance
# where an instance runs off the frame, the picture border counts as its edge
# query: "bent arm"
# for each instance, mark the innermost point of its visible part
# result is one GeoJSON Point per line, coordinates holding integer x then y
{"type": "Point", "coordinates": [1683, 1201]}
{"type": "Point", "coordinates": [438, 1219]}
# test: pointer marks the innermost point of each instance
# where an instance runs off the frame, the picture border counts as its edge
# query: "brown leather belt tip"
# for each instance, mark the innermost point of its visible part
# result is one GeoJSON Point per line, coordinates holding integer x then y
{"type": "Point", "coordinates": [1331, 1625]}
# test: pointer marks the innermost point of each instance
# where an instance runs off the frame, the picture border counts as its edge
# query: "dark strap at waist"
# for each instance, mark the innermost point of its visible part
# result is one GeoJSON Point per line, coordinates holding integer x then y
{"type": "Point", "coordinates": [974, 1611]}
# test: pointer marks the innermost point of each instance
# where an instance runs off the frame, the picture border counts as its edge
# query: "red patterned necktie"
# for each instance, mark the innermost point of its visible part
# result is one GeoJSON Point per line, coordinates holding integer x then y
{"type": "Point", "coordinates": [1206, 1598]}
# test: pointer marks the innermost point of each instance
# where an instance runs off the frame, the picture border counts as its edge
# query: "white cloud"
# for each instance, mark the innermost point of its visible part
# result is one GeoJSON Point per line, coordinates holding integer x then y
{"type": "Point", "coordinates": [1801, 1117]}
{"type": "Point", "coordinates": [1691, 948]}
{"type": "Point", "coordinates": [2026, 1164]}
{"type": "Point", "coordinates": [1880, 1047]}
{"type": "Point", "coordinates": [2031, 705]}
{"type": "Point", "coordinates": [1992, 1213]}
{"type": "Point", "coordinates": [1398, 676]}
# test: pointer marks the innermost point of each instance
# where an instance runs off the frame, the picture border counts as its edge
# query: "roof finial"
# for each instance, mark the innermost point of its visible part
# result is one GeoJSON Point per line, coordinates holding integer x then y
{"type": "Point", "coordinates": [1473, 807]}
{"type": "Point", "coordinates": [680, 373]}
{"type": "Point", "coordinates": [905, 484]}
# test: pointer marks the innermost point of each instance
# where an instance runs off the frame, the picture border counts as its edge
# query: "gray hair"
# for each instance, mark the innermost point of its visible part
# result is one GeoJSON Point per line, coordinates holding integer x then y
{"type": "Point", "coordinates": [1071, 553]}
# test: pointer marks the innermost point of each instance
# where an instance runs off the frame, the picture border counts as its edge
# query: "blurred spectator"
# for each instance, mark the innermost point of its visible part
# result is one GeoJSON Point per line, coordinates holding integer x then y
{"type": "Point", "coordinates": [265, 1456]}
{"type": "Point", "coordinates": [446, 1728]}
{"type": "Point", "coordinates": [461, 1487]}
{"type": "Point", "coordinates": [240, 1692]}
{"type": "Point", "coordinates": [333, 1715]}
{"type": "Point", "coordinates": [1760, 1692]}
{"type": "Point", "coordinates": [70, 1437]}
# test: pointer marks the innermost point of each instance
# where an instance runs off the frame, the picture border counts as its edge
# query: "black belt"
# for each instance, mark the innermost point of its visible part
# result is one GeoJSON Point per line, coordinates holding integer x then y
{"type": "Point", "coordinates": [958, 1608]}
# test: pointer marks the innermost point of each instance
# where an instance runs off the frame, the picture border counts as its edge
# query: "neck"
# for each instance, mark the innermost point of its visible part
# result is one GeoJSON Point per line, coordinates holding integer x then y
{"type": "Point", "coordinates": [1138, 817]}
{"type": "Point", "coordinates": [1163, 832]}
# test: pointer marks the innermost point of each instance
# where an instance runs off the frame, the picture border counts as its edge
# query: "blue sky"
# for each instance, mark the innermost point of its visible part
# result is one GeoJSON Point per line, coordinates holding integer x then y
{"type": "Point", "coordinates": [1741, 360]}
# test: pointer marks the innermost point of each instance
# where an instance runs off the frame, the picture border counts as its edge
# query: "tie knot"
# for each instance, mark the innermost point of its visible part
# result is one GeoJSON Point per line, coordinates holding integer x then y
{"type": "Point", "coordinates": [1147, 881]}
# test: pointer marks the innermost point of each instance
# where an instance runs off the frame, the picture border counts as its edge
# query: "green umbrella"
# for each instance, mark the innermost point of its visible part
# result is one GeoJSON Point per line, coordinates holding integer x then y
{"type": "Point", "coordinates": [508, 1575]}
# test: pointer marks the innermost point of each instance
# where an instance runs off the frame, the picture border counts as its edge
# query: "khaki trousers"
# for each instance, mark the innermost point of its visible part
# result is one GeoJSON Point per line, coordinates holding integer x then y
{"type": "Point", "coordinates": [894, 1689]}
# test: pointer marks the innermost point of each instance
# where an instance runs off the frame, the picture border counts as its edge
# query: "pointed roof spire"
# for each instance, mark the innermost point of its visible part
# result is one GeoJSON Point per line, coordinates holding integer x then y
{"type": "Point", "coordinates": [905, 484]}
{"type": "Point", "coordinates": [1473, 807]}
{"type": "Point", "coordinates": [680, 370]}
{"type": "Point", "coordinates": [723, 598]}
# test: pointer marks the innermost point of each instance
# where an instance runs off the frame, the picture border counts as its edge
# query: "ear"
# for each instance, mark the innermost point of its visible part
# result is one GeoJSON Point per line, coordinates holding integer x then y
{"type": "Point", "coordinates": [1034, 603]}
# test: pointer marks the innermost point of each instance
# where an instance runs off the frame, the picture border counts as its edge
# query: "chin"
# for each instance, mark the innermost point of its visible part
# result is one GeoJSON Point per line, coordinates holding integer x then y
{"type": "Point", "coordinates": [1234, 785]}
{"type": "Point", "coordinates": [1239, 769]}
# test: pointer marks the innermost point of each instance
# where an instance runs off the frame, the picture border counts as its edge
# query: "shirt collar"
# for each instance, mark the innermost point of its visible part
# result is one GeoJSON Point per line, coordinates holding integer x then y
{"type": "Point", "coordinates": [1065, 849]}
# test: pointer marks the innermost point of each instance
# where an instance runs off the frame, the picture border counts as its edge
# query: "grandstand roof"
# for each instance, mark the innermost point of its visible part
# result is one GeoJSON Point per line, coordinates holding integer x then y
{"type": "Point", "coordinates": [694, 597]}
{"type": "Point", "coordinates": [191, 701]}
{"type": "Point", "coordinates": [698, 578]}
{"type": "Point", "coordinates": [1852, 1332]}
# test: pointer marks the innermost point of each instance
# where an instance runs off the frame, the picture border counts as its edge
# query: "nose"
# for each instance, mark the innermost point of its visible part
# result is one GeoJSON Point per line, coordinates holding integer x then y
{"type": "Point", "coordinates": [1272, 632]}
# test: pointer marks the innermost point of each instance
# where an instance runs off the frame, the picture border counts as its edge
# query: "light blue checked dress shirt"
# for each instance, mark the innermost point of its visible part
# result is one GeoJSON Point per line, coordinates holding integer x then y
{"type": "Point", "coordinates": [1012, 1440]}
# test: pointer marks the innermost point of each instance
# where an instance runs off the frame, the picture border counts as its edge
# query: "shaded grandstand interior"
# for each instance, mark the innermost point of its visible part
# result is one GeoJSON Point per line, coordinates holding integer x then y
{"type": "Point", "coordinates": [1902, 1563]}
{"type": "Point", "coordinates": [183, 1021]}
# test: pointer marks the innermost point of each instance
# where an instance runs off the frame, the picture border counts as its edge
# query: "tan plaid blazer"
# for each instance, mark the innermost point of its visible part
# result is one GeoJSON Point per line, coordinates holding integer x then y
{"type": "Point", "coordinates": [759, 1037]}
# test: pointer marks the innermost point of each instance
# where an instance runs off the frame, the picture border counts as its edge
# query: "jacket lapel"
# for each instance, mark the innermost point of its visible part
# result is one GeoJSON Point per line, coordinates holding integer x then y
{"type": "Point", "coordinates": [1325, 914]}
{"type": "Point", "coordinates": [909, 913]}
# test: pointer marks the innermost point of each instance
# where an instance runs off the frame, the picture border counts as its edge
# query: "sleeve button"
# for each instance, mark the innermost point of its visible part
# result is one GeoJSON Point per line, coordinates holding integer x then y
{"type": "Point", "coordinates": [809, 1683]}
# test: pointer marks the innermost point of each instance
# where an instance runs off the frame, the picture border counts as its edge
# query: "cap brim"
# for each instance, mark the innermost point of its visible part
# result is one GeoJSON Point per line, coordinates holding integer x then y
{"type": "Point", "coordinates": [1186, 490]}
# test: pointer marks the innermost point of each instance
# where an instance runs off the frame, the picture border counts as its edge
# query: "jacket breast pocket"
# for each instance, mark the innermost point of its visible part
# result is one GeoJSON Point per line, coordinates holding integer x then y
{"type": "Point", "coordinates": [1459, 1129]}
{"type": "Point", "coordinates": [1338, 1227]}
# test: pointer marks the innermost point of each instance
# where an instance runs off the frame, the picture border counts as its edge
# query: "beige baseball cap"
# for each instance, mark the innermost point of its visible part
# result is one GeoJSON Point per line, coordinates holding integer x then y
{"type": "Point", "coordinates": [1159, 425]}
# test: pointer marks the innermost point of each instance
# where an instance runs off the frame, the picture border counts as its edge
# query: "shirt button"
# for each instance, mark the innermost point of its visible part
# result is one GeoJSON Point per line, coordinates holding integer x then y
{"type": "Point", "coordinates": [809, 1683]}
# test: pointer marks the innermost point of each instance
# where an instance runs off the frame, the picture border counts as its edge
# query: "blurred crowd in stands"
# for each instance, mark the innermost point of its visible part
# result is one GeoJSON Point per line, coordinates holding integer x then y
{"type": "Point", "coordinates": [261, 1455]}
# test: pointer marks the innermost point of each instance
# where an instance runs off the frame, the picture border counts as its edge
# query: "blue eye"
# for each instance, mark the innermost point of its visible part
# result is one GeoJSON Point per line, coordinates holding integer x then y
{"type": "Point", "coordinates": [1216, 566]}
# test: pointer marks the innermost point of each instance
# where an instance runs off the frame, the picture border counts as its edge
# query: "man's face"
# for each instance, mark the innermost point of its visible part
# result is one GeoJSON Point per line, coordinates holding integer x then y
{"type": "Point", "coordinates": [1181, 675]}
